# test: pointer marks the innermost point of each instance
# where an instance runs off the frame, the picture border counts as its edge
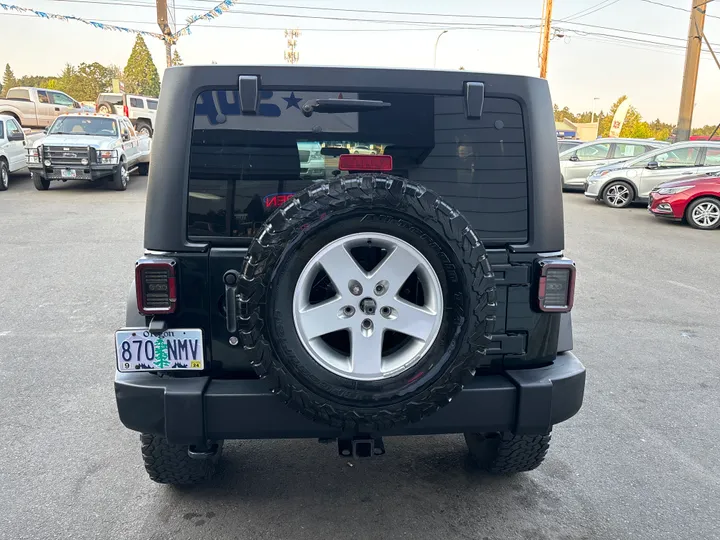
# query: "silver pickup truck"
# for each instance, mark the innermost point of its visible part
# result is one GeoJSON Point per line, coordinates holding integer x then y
{"type": "Point", "coordinates": [37, 107]}
{"type": "Point", "coordinates": [90, 147]}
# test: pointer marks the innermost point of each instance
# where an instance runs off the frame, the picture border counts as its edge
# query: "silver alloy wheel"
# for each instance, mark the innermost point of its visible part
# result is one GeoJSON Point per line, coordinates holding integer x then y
{"type": "Point", "coordinates": [367, 304]}
{"type": "Point", "coordinates": [4, 177]}
{"type": "Point", "coordinates": [618, 195]}
{"type": "Point", "coordinates": [706, 214]}
{"type": "Point", "coordinates": [124, 175]}
{"type": "Point", "coordinates": [144, 130]}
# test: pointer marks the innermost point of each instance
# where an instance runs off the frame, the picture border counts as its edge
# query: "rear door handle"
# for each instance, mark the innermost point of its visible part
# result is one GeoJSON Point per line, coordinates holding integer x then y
{"type": "Point", "coordinates": [231, 279]}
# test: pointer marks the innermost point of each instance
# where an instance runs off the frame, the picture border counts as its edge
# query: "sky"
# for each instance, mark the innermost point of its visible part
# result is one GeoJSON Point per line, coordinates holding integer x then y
{"type": "Point", "coordinates": [600, 49]}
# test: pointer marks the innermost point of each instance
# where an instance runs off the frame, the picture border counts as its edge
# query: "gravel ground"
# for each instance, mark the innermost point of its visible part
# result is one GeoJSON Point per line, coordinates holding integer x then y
{"type": "Point", "coordinates": [641, 460]}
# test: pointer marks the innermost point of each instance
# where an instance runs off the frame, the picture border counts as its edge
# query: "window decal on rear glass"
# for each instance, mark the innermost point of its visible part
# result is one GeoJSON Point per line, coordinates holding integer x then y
{"type": "Point", "coordinates": [277, 111]}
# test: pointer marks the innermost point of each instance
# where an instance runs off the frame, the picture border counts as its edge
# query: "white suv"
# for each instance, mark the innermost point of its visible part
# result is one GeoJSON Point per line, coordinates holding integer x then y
{"type": "Point", "coordinates": [141, 110]}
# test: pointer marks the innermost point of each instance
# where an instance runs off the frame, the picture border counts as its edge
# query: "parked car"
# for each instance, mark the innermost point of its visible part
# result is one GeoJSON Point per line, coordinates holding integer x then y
{"type": "Point", "coordinates": [37, 107]}
{"type": "Point", "coordinates": [577, 163]}
{"type": "Point", "coordinates": [567, 144]}
{"type": "Point", "coordinates": [141, 110]}
{"type": "Point", "coordinates": [363, 149]}
{"type": "Point", "coordinates": [621, 184]}
{"type": "Point", "coordinates": [89, 147]}
{"type": "Point", "coordinates": [366, 302]}
{"type": "Point", "coordinates": [12, 149]}
{"type": "Point", "coordinates": [695, 200]}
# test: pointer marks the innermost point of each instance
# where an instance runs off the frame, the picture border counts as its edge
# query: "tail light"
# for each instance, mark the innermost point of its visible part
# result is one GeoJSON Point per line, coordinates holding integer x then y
{"type": "Point", "coordinates": [556, 287]}
{"type": "Point", "coordinates": [354, 162]}
{"type": "Point", "coordinates": [126, 111]}
{"type": "Point", "coordinates": [156, 286]}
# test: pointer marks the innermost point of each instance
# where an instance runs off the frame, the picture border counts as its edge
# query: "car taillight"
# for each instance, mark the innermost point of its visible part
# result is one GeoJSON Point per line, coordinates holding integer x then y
{"type": "Point", "coordinates": [156, 286]}
{"type": "Point", "coordinates": [556, 287]}
{"type": "Point", "coordinates": [126, 111]}
{"type": "Point", "coordinates": [353, 162]}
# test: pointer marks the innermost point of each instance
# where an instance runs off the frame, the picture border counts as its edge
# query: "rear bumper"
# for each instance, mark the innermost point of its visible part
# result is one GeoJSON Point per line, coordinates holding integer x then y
{"type": "Point", "coordinates": [192, 410]}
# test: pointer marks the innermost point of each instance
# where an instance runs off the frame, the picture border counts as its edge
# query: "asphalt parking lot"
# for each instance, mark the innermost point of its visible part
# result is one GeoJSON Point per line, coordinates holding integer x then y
{"type": "Point", "coordinates": [641, 460]}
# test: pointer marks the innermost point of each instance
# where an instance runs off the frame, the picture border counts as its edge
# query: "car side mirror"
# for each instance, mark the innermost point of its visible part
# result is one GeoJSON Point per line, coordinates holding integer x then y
{"type": "Point", "coordinates": [125, 137]}
{"type": "Point", "coordinates": [45, 131]}
{"type": "Point", "coordinates": [574, 158]}
{"type": "Point", "coordinates": [652, 165]}
{"type": "Point", "coordinates": [16, 136]}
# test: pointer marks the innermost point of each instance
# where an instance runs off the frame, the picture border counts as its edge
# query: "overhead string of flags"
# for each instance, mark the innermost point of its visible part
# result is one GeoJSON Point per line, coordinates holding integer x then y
{"type": "Point", "coordinates": [214, 13]}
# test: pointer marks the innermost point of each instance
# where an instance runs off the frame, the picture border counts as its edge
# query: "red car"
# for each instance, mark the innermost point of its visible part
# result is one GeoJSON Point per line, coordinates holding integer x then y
{"type": "Point", "coordinates": [695, 199]}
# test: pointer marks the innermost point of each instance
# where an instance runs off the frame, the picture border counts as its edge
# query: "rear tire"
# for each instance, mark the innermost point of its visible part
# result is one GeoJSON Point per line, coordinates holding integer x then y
{"type": "Point", "coordinates": [704, 214]}
{"type": "Point", "coordinates": [143, 128]}
{"type": "Point", "coordinates": [143, 169]}
{"type": "Point", "coordinates": [506, 453]}
{"type": "Point", "coordinates": [121, 177]}
{"type": "Point", "coordinates": [40, 183]}
{"type": "Point", "coordinates": [4, 175]}
{"type": "Point", "coordinates": [105, 108]}
{"type": "Point", "coordinates": [168, 463]}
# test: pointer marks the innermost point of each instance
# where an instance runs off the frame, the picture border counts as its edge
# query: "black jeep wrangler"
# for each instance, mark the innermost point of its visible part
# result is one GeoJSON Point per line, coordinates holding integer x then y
{"type": "Point", "coordinates": [347, 254]}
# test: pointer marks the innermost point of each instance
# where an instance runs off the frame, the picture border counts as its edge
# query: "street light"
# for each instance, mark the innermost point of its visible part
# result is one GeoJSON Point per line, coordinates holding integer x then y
{"type": "Point", "coordinates": [593, 109]}
{"type": "Point", "coordinates": [436, 46]}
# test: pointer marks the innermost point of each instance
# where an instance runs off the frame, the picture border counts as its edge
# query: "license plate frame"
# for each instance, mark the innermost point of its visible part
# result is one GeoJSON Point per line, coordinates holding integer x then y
{"type": "Point", "coordinates": [68, 173]}
{"type": "Point", "coordinates": [182, 350]}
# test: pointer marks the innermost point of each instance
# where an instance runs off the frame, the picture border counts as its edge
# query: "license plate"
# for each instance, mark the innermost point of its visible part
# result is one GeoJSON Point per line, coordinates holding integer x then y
{"type": "Point", "coordinates": [173, 350]}
{"type": "Point", "coordinates": [68, 173]}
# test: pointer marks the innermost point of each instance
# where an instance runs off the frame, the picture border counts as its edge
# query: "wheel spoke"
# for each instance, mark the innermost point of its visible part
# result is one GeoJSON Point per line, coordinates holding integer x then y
{"type": "Point", "coordinates": [324, 318]}
{"type": "Point", "coordinates": [341, 267]}
{"type": "Point", "coordinates": [366, 352]}
{"type": "Point", "coordinates": [412, 320]}
{"type": "Point", "coordinates": [396, 268]}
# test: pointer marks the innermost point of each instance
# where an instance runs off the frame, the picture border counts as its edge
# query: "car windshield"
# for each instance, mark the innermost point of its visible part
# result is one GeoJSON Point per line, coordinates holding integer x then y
{"type": "Point", "coordinates": [84, 125]}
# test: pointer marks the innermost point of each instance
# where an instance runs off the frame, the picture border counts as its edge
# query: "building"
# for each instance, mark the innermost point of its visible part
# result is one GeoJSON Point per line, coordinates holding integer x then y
{"type": "Point", "coordinates": [566, 129]}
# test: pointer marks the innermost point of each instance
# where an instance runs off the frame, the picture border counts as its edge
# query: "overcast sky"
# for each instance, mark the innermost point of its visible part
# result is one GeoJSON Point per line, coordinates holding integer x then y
{"type": "Point", "coordinates": [585, 62]}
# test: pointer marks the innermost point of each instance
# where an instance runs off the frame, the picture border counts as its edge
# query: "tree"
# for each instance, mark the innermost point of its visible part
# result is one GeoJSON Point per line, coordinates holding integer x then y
{"type": "Point", "coordinates": [161, 354]}
{"type": "Point", "coordinates": [176, 60]}
{"type": "Point", "coordinates": [92, 79]}
{"type": "Point", "coordinates": [140, 74]}
{"type": "Point", "coordinates": [8, 80]}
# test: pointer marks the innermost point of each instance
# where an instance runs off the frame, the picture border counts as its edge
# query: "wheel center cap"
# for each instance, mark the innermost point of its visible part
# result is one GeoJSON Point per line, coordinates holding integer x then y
{"type": "Point", "coordinates": [368, 306]}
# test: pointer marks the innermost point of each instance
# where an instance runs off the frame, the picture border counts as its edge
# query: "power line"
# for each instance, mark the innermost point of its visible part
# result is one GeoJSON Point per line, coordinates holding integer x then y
{"type": "Point", "coordinates": [679, 8]}
{"type": "Point", "coordinates": [589, 11]}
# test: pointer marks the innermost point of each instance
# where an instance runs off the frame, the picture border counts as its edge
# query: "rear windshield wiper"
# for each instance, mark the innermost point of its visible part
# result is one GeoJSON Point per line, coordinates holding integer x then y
{"type": "Point", "coordinates": [342, 105]}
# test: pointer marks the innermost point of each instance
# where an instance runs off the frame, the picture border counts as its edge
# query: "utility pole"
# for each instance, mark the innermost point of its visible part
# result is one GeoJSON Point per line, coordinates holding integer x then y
{"type": "Point", "coordinates": [162, 20]}
{"type": "Point", "coordinates": [292, 56]}
{"type": "Point", "coordinates": [545, 37]}
{"type": "Point", "coordinates": [692, 64]}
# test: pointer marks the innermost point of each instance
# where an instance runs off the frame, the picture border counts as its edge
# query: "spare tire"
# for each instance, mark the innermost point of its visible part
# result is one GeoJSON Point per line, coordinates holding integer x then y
{"type": "Point", "coordinates": [366, 302]}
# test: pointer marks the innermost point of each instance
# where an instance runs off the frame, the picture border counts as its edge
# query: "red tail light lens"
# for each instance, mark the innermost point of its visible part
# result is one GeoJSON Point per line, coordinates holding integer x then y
{"type": "Point", "coordinates": [156, 286]}
{"type": "Point", "coordinates": [353, 162]}
{"type": "Point", "coordinates": [556, 287]}
{"type": "Point", "coordinates": [126, 111]}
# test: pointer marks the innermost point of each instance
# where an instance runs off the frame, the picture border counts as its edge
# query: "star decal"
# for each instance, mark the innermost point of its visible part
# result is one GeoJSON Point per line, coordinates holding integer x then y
{"type": "Point", "coordinates": [292, 101]}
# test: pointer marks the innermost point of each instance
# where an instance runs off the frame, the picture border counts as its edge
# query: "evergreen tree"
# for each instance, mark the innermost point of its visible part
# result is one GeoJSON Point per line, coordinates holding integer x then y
{"type": "Point", "coordinates": [161, 354]}
{"type": "Point", "coordinates": [8, 80]}
{"type": "Point", "coordinates": [140, 74]}
{"type": "Point", "coordinates": [176, 60]}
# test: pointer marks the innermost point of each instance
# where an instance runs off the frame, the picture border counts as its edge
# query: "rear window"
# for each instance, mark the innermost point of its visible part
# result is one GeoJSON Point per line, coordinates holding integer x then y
{"type": "Point", "coordinates": [18, 93]}
{"type": "Point", "coordinates": [243, 167]}
{"type": "Point", "coordinates": [112, 99]}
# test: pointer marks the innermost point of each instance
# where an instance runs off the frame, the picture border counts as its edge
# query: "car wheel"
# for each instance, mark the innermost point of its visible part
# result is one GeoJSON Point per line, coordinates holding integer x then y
{"type": "Point", "coordinates": [506, 453]}
{"type": "Point", "coordinates": [104, 109]}
{"type": "Point", "coordinates": [144, 128]}
{"type": "Point", "coordinates": [121, 178]}
{"type": "Point", "coordinates": [40, 183]}
{"type": "Point", "coordinates": [618, 195]}
{"type": "Point", "coordinates": [4, 175]}
{"type": "Point", "coordinates": [704, 213]}
{"type": "Point", "coordinates": [168, 463]}
{"type": "Point", "coordinates": [372, 302]}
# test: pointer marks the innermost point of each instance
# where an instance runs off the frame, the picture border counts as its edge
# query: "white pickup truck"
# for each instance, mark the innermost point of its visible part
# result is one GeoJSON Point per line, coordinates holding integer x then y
{"type": "Point", "coordinates": [90, 147]}
{"type": "Point", "coordinates": [37, 107]}
{"type": "Point", "coordinates": [12, 149]}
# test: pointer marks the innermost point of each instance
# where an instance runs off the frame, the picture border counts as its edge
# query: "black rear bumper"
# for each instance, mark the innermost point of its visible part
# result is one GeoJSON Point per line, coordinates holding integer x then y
{"type": "Point", "coordinates": [192, 410]}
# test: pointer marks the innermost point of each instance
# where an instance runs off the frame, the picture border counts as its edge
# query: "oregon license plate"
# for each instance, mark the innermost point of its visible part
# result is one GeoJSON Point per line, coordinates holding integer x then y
{"type": "Point", "coordinates": [177, 349]}
{"type": "Point", "coordinates": [68, 173]}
